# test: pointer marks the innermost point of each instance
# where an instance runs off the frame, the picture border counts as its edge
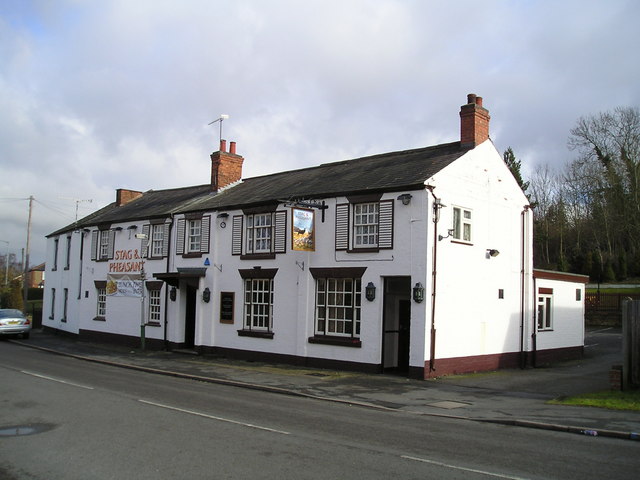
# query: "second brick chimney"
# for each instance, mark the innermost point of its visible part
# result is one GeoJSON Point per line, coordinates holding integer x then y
{"type": "Point", "coordinates": [226, 167]}
{"type": "Point", "coordinates": [474, 122]}
{"type": "Point", "coordinates": [124, 196]}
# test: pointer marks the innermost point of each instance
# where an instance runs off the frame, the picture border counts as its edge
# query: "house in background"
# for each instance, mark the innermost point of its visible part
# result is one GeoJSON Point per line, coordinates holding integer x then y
{"type": "Point", "coordinates": [417, 261]}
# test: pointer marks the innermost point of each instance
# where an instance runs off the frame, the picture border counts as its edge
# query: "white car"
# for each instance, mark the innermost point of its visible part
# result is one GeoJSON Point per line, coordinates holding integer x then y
{"type": "Point", "coordinates": [14, 322]}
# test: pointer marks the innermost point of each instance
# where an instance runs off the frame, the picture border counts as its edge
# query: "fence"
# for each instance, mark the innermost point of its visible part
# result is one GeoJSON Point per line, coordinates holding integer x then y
{"type": "Point", "coordinates": [605, 308]}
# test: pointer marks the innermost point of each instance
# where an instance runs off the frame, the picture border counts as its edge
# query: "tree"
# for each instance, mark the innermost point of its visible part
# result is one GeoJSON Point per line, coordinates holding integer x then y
{"type": "Point", "coordinates": [514, 165]}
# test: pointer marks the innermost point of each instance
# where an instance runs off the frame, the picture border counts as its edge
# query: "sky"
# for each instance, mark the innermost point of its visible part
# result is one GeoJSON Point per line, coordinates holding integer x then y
{"type": "Point", "coordinates": [106, 94]}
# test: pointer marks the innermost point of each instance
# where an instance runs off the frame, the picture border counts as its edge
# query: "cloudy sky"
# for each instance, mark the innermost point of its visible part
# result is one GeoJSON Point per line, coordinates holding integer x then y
{"type": "Point", "coordinates": [105, 94]}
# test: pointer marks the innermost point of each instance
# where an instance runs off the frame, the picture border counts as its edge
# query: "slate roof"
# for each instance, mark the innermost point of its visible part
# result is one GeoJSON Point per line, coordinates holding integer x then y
{"type": "Point", "coordinates": [404, 170]}
{"type": "Point", "coordinates": [394, 171]}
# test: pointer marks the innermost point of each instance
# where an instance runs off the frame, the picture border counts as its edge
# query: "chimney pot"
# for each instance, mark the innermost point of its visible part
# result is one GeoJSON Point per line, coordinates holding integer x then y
{"type": "Point", "coordinates": [479, 101]}
{"type": "Point", "coordinates": [223, 145]}
{"type": "Point", "coordinates": [232, 148]}
{"type": "Point", "coordinates": [471, 98]}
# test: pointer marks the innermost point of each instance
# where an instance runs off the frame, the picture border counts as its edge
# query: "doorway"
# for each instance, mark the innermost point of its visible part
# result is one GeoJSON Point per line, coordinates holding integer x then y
{"type": "Point", "coordinates": [396, 324]}
{"type": "Point", "coordinates": [190, 317]}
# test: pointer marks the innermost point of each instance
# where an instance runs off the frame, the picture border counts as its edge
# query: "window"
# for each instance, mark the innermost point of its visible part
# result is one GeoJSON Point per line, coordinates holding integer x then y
{"type": "Point", "coordinates": [154, 306]}
{"type": "Point", "coordinates": [364, 224]}
{"type": "Point", "coordinates": [259, 230]}
{"type": "Point", "coordinates": [67, 261]}
{"type": "Point", "coordinates": [258, 304]}
{"type": "Point", "coordinates": [101, 296]}
{"type": "Point", "coordinates": [338, 306]}
{"type": "Point", "coordinates": [66, 304]}
{"type": "Point", "coordinates": [56, 243]}
{"type": "Point", "coordinates": [192, 236]}
{"type": "Point", "coordinates": [259, 234]}
{"type": "Point", "coordinates": [545, 304]}
{"type": "Point", "coordinates": [156, 243]}
{"type": "Point", "coordinates": [53, 304]}
{"type": "Point", "coordinates": [102, 244]}
{"type": "Point", "coordinates": [462, 224]}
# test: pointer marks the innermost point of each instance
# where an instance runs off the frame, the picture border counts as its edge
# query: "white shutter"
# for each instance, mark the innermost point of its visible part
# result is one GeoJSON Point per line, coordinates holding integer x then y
{"type": "Point", "coordinates": [144, 245]}
{"type": "Point", "coordinates": [342, 226]}
{"type": "Point", "coordinates": [205, 226]}
{"type": "Point", "coordinates": [280, 232]}
{"type": "Point", "coordinates": [180, 237]}
{"type": "Point", "coordinates": [165, 240]}
{"type": "Point", "coordinates": [236, 235]}
{"type": "Point", "coordinates": [94, 245]}
{"type": "Point", "coordinates": [385, 224]}
{"type": "Point", "coordinates": [112, 243]}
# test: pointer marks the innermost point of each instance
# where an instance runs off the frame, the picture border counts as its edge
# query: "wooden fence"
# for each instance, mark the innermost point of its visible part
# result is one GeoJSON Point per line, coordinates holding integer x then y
{"type": "Point", "coordinates": [605, 308]}
{"type": "Point", "coordinates": [631, 344]}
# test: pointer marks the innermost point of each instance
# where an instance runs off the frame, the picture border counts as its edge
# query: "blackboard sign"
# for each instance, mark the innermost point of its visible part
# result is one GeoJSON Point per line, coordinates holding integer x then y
{"type": "Point", "coordinates": [226, 307]}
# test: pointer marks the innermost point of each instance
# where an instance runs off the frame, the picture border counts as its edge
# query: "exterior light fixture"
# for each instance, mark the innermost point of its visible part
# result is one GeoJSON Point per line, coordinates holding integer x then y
{"type": "Point", "coordinates": [117, 229]}
{"type": "Point", "coordinates": [223, 219]}
{"type": "Point", "coordinates": [405, 198]}
{"type": "Point", "coordinates": [172, 294]}
{"type": "Point", "coordinates": [418, 293]}
{"type": "Point", "coordinates": [449, 233]}
{"type": "Point", "coordinates": [492, 252]}
{"type": "Point", "coordinates": [132, 227]}
{"type": "Point", "coordinates": [370, 292]}
{"type": "Point", "coordinates": [206, 295]}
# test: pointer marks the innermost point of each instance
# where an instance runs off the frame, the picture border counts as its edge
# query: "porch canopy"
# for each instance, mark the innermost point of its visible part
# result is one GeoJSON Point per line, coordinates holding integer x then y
{"type": "Point", "coordinates": [189, 275]}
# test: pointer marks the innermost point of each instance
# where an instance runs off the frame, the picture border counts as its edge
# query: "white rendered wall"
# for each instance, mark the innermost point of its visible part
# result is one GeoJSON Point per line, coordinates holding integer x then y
{"type": "Point", "coordinates": [471, 319]}
{"type": "Point", "coordinates": [567, 315]}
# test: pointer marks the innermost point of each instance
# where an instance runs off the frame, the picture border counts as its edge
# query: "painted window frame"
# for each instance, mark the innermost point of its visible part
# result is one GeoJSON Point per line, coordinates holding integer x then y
{"type": "Point", "coordinates": [186, 244]}
{"type": "Point", "coordinates": [243, 238]}
{"type": "Point", "coordinates": [102, 244]}
{"type": "Point", "coordinates": [339, 290]}
{"type": "Point", "coordinates": [101, 300]}
{"type": "Point", "coordinates": [155, 306]}
{"type": "Point", "coordinates": [462, 224]}
{"type": "Point", "coordinates": [544, 311]}
{"type": "Point", "coordinates": [350, 229]}
{"type": "Point", "coordinates": [257, 302]}
{"type": "Point", "coordinates": [155, 245]}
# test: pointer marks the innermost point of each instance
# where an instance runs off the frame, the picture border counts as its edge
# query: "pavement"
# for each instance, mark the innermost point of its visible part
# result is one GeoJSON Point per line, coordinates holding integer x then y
{"type": "Point", "coordinates": [516, 397]}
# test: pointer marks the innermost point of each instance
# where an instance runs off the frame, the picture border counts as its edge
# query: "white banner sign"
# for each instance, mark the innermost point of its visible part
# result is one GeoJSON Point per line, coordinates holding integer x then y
{"type": "Point", "coordinates": [124, 286]}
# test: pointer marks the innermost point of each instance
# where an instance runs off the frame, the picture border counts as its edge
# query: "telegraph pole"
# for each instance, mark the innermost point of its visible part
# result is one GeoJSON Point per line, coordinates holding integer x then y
{"type": "Point", "coordinates": [25, 275]}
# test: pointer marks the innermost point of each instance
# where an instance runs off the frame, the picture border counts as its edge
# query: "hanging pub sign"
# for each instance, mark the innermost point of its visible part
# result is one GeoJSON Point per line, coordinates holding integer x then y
{"type": "Point", "coordinates": [303, 225]}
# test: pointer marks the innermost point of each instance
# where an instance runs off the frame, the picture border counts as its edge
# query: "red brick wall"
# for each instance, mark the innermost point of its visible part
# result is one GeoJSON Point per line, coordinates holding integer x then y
{"type": "Point", "coordinates": [474, 121]}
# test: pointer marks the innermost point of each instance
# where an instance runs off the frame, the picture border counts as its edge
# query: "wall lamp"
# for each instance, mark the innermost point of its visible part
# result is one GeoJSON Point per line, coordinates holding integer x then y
{"type": "Point", "coordinates": [370, 292]}
{"type": "Point", "coordinates": [206, 295]}
{"type": "Point", "coordinates": [418, 293]}
{"type": "Point", "coordinates": [132, 227]}
{"type": "Point", "coordinates": [223, 219]}
{"type": "Point", "coordinates": [117, 229]}
{"type": "Point", "coordinates": [172, 294]}
{"type": "Point", "coordinates": [405, 198]}
{"type": "Point", "coordinates": [492, 252]}
{"type": "Point", "coordinates": [449, 233]}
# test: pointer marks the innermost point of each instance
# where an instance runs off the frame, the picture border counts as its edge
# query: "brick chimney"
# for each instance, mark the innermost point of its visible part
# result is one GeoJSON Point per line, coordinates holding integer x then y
{"type": "Point", "coordinates": [124, 196]}
{"type": "Point", "coordinates": [226, 167]}
{"type": "Point", "coordinates": [474, 122]}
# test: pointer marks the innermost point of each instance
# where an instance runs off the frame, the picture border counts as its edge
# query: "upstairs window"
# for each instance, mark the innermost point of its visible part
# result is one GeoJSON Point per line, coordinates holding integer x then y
{"type": "Point", "coordinates": [67, 261]}
{"type": "Point", "coordinates": [193, 235]}
{"type": "Point", "coordinates": [102, 244]}
{"type": "Point", "coordinates": [365, 224]}
{"type": "Point", "coordinates": [462, 223]}
{"type": "Point", "coordinates": [156, 243]}
{"type": "Point", "coordinates": [259, 234]}
{"type": "Point", "coordinates": [56, 244]}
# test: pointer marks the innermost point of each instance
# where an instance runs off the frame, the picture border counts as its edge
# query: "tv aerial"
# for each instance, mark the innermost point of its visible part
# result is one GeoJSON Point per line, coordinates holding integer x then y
{"type": "Point", "coordinates": [222, 118]}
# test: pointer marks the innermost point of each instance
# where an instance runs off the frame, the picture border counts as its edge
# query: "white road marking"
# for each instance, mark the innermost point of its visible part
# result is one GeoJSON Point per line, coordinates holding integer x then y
{"type": "Point", "coordinates": [56, 380]}
{"type": "Point", "coordinates": [212, 417]}
{"type": "Point", "coordinates": [473, 470]}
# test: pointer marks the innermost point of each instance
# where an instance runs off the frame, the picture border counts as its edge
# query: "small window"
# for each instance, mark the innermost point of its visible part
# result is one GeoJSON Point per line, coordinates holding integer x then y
{"type": "Point", "coordinates": [194, 235]}
{"type": "Point", "coordinates": [192, 238]}
{"type": "Point", "coordinates": [102, 244]}
{"type": "Point", "coordinates": [545, 304]}
{"type": "Point", "coordinates": [101, 309]}
{"type": "Point", "coordinates": [56, 243]}
{"type": "Point", "coordinates": [53, 304]}
{"type": "Point", "coordinates": [66, 304]}
{"type": "Point", "coordinates": [578, 294]}
{"type": "Point", "coordinates": [67, 261]}
{"type": "Point", "coordinates": [157, 240]}
{"type": "Point", "coordinates": [259, 233]}
{"type": "Point", "coordinates": [462, 222]}
{"type": "Point", "coordinates": [154, 306]}
{"type": "Point", "coordinates": [365, 225]}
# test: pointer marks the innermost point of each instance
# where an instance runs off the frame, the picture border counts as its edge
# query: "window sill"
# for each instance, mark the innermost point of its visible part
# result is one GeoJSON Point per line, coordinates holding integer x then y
{"type": "Point", "coordinates": [364, 250]}
{"type": "Point", "coordinates": [542, 330]}
{"type": "Point", "coordinates": [337, 341]}
{"type": "Point", "coordinates": [258, 256]}
{"type": "Point", "coordinates": [100, 319]}
{"type": "Point", "coordinates": [462, 242]}
{"type": "Point", "coordinates": [153, 324]}
{"type": "Point", "coordinates": [255, 334]}
{"type": "Point", "coordinates": [191, 255]}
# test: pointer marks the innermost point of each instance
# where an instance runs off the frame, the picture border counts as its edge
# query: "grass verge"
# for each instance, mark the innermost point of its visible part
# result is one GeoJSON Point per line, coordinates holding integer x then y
{"type": "Point", "coordinates": [610, 399]}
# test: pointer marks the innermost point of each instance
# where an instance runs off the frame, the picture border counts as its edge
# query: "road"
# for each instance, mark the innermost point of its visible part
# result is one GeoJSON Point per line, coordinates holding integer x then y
{"type": "Point", "coordinates": [93, 421]}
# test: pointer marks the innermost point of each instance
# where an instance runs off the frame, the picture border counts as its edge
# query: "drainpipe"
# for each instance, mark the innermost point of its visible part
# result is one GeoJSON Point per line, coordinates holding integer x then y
{"type": "Point", "coordinates": [436, 217]}
{"type": "Point", "coordinates": [166, 290]}
{"type": "Point", "coordinates": [523, 281]}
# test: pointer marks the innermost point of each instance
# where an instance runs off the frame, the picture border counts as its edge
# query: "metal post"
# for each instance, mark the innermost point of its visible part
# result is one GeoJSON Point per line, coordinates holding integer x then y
{"type": "Point", "coordinates": [142, 237]}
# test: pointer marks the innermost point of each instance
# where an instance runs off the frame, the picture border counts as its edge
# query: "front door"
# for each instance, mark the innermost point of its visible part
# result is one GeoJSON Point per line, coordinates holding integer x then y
{"type": "Point", "coordinates": [396, 324]}
{"type": "Point", "coordinates": [190, 317]}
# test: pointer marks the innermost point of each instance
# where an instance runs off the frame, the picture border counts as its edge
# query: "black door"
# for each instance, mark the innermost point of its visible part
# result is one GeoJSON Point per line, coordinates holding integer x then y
{"type": "Point", "coordinates": [404, 339]}
{"type": "Point", "coordinates": [190, 318]}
